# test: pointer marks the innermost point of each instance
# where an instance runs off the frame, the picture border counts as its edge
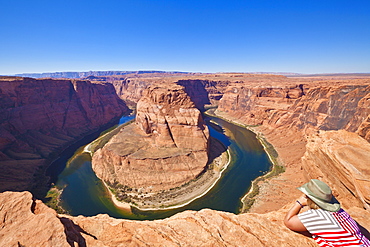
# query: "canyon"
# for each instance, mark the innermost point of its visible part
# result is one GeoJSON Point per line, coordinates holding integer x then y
{"type": "Point", "coordinates": [39, 118]}
{"type": "Point", "coordinates": [318, 125]}
{"type": "Point", "coordinates": [166, 148]}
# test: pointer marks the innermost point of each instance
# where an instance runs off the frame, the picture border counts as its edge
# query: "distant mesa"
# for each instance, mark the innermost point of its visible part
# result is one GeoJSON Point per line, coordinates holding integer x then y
{"type": "Point", "coordinates": [80, 75]}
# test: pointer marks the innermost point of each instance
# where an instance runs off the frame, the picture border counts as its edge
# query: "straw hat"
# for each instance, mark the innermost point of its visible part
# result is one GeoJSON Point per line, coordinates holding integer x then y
{"type": "Point", "coordinates": [320, 193]}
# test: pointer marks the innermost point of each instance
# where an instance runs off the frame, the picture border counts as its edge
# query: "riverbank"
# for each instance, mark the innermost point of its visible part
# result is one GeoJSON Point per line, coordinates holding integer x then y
{"type": "Point", "coordinates": [175, 197]}
{"type": "Point", "coordinates": [250, 197]}
{"type": "Point", "coordinates": [184, 195]}
{"type": "Point", "coordinates": [180, 196]}
{"type": "Point", "coordinates": [122, 205]}
{"type": "Point", "coordinates": [277, 188]}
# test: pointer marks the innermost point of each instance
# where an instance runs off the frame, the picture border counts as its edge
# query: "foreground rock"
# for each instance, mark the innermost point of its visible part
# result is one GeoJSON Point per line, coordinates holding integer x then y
{"type": "Point", "coordinates": [25, 222]}
{"type": "Point", "coordinates": [39, 118]}
{"type": "Point", "coordinates": [341, 159]}
{"type": "Point", "coordinates": [30, 223]}
{"type": "Point", "coordinates": [337, 157]}
{"type": "Point", "coordinates": [165, 148]}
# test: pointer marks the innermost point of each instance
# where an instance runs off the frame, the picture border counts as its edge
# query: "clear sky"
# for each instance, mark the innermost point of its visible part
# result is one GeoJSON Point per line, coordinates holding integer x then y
{"type": "Point", "coordinates": [304, 36]}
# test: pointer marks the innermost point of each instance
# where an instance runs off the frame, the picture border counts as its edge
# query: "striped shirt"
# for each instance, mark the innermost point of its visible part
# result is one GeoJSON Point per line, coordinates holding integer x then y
{"type": "Point", "coordinates": [333, 228]}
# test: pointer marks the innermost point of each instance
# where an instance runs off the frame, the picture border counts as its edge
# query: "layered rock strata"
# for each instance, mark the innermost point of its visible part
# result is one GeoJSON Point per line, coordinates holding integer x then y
{"type": "Point", "coordinates": [287, 121]}
{"type": "Point", "coordinates": [165, 148]}
{"type": "Point", "coordinates": [39, 118]}
{"type": "Point", "coordinates": [26, 222]}
{"type": "Point", "coordinates": [254, 105]}
{"type": "Point", "coordinates": [341, 159]}
{"type": "Point", "coordinates": [317, 108]}
{"type": "Point", "coordinates": [203, 89]}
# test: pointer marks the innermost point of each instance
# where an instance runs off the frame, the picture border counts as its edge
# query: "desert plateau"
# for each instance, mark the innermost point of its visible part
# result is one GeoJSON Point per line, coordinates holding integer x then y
{"type": "Point", "coordinates": [311, 126]}
{"type": "Point", "coordinates": [184, 123]}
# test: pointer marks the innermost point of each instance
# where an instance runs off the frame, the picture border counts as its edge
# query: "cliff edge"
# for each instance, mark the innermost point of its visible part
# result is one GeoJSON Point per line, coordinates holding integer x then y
{"type": "Point", "coordinates": [41, 117]}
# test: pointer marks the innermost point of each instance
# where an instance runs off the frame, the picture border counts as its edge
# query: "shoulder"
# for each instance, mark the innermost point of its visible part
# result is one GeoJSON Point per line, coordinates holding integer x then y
{"type": "Point", "coordinates": [314, 215]}
{"type": "Point", "coordinates": [318, 220]}
{"type": "Point", "coordinates": [311, 213]}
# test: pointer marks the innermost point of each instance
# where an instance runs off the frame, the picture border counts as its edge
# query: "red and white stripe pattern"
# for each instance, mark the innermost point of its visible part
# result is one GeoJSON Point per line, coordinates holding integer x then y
{"type": "Point", "coordinates": [330, 229]}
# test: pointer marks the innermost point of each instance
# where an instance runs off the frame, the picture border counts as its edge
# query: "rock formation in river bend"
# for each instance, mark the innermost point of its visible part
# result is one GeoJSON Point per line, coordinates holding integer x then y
{"type": "Point", "coordinates": [39, 118]}
{"type": "Point", "coordinates": [167, 147]}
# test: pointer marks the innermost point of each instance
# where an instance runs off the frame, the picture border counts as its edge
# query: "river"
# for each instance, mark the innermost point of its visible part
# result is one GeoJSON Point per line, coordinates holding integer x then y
{"type": "Point", "coordinates": [84, 194]}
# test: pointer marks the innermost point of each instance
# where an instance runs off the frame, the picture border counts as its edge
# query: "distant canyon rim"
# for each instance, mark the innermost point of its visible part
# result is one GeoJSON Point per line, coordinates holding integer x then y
{"type": "Point", "coordinates": [318, 125]}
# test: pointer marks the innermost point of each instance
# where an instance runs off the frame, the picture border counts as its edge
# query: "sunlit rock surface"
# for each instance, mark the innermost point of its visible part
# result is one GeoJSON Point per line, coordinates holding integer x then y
{"type": "Point", "coordinates": [26, 222]}
{"type": "Point", "coordinates": [341, 159]}
{"type": "Point", "coordinates": [165, 148]}
{"type": "Point", "coordinates": [41, 117]}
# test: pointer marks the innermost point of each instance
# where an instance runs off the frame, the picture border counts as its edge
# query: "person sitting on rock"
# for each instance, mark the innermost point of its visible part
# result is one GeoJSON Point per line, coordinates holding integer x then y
{"type": "Point", "coordinates": [326, 221]}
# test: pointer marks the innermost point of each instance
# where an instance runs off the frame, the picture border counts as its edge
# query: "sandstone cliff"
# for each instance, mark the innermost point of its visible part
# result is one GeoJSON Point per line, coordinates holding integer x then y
{"type": "Point", "coordinates": [254, 105]}
{"type": "Point", "coordinates": [39, 118]}
{"type": "Point", "coordinates": [285, 115]}
{"type": "Point", "coordinates": [341, 159]}
{"type": "Point", "coordinates": [304, 107]}
{"type": "Point", "coordinates": [203, 89]}
{"type": "Point", "coordinates": [26, 222]}
{"type": "Point", "coordinates": [165, 148]}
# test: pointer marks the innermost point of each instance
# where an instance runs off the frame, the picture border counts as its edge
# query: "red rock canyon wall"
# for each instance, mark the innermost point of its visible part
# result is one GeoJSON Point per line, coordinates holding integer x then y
{"type": "Point", "coordinates": [38, 118]}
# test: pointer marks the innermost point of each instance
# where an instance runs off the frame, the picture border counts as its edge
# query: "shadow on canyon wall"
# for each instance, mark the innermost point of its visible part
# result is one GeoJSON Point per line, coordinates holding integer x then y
{"type": "Point", "coordinates": [196, 91]}
{"type": "Point", "coordinates": [41, 118]}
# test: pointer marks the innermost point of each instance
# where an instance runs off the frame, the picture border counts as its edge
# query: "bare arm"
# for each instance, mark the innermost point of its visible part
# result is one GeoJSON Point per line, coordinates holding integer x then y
{"type": "Point", "coordinates": [291, 218]}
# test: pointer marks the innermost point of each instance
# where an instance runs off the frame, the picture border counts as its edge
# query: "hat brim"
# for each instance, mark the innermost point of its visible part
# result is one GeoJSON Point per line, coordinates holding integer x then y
{"type": "Point", "coordinates": [332, 206]}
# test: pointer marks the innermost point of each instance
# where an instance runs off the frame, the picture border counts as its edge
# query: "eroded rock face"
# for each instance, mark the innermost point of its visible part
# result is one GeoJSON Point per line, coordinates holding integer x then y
{"type": "Point", "coordinates": [41, 117]}
{"type": "Point", "coordinates": [165, 148]}
{"type": "Point", "coordinates": [286, 122]}
{"type": "Point", "coordinates": [332, 108]}
{"type": "Point", "coordinates": [130, 89]}
{"type": "Point", "coordinates": [308, 110]}
{"type": "Point", "coordinates": [341, 159]}
{"type": "Point", "coordinates": [26, 222]}
{"type": "Point", "coordinates": [204, 92]}
{"type": "Point", "coordinates": [167, 113]}
{"type": "Point", "coordinates": [256, 105]}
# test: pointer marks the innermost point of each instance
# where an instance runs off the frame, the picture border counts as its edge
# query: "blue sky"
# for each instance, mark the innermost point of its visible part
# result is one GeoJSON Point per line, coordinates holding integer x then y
{"type": "Point", "coordinates": [184, 35]}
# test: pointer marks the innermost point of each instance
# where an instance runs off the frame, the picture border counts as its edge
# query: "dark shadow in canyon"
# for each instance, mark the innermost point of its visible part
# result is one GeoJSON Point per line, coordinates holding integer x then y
{"type": "Point", "coordinates": [73, 233]}
{"type": "Point", "coordinates": [196, 91]}
{"type": "Point", "coordinates": [219, 142]}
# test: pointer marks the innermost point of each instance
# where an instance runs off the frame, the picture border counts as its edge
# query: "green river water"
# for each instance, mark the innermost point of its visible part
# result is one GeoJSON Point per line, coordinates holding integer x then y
{"type": "Point", "coordinates": [84, 194]}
